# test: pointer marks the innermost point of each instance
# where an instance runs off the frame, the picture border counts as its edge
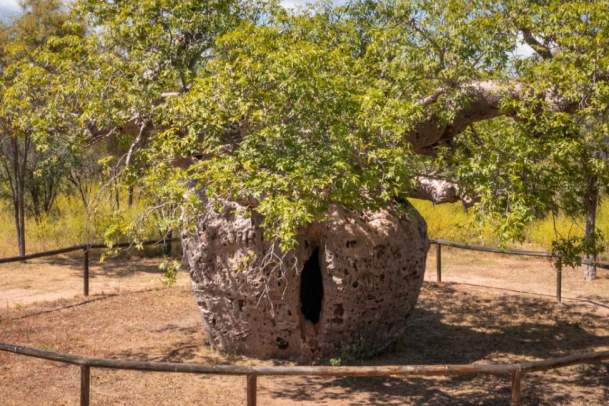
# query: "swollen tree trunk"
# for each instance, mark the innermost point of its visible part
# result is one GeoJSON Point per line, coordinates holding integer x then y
{"type": "Point", "coordinates": [590, 205]}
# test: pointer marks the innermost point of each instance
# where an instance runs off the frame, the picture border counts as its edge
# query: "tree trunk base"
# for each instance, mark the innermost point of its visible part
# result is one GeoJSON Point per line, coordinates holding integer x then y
{"type": "Point", "coordinates": [346, 290]}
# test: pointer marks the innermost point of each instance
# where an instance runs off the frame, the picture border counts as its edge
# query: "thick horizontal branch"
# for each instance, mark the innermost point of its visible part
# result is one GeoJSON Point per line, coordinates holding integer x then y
{"type": "Point", "coordinates": [440, 191]}
{"type": "Point", "coordinates": [482, 101]}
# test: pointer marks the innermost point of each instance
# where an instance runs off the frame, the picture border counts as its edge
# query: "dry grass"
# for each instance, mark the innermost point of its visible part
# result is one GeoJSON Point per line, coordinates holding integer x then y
{"type": "Point", "coordinates": [69, 223]}
{"type": "Point", "coordinates": [452, 222]}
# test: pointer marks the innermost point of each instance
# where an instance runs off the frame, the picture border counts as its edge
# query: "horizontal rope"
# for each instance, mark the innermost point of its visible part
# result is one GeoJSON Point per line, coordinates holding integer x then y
{"type": "Point", "coordinates": [397, 370]}
{"type": "Point", "coordinates": [79, 247]}
{"type": "Point", "coordinates": [446, 243]}
{"type": "Point", "coordinates": [481, 248]}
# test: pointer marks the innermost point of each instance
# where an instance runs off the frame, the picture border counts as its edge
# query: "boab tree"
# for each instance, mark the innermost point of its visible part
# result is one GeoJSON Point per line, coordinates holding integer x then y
{"type": "Point", "coordinates": [294, 141]}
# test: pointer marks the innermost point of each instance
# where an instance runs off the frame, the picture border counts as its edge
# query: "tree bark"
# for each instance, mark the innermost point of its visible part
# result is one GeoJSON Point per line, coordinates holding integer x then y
{"type": "Point", "coordinates": [590, 205]}
{"type": "Point", "coordinates": [440, 191]}
{"type": "Point", "coordinates": [130, 196]}
{"type": "Point", "coordinates": [19, 161]}
{"type": "Point", "coordinates": [484, 98]}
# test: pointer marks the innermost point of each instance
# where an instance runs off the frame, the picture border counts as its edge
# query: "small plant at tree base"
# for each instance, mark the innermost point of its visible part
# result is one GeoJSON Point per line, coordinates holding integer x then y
{"type": "Point", "coordinates": [170, 268]}
{"type": "Point", "coordinates": [336, 362]}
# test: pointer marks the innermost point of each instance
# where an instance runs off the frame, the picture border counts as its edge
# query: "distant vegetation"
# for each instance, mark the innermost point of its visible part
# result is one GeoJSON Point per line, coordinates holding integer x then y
{"type": "Point", "coordinates": [452, 222]}
{"type": "Point", "coordinates": [69, 224]}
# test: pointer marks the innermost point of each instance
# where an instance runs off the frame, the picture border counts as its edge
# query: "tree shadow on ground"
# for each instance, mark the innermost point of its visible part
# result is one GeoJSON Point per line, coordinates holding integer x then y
{"type": "Point", "coordinates": [451, 326]}
{"type": "Point", "coordinates": [121, 265]}
{"type": "Point", "coordinates": [190, 348]}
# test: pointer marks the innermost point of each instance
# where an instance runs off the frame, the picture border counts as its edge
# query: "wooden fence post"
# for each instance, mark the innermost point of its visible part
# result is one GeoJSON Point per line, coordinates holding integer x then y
{"type": "Point", "coordinates": [251, 390]}
{"type": "Point", "coordinates": [85, 275]}
{"type": "Point", "coordinates": [85, 385]}
{"type": "Point", "coordinates": [439, 261]}
{"type": "Point", "coordinates": [559, 284]}
{"type": "Point", "coordinates": [167, 246]}
{"type": "Point", "coordinates": [516, 380]}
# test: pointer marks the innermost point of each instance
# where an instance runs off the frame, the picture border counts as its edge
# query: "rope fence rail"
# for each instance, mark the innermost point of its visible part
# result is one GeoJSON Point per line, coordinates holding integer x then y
{"type": "Point", "coordinates": [495, 250]}
{"type": "Point", "coordinates": [516, 371]}
{"type": "Point", "coordinates": [85, 248]}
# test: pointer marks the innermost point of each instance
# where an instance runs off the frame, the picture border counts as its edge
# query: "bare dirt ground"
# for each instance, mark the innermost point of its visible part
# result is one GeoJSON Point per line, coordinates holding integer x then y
{"type": "Point", "coordinates": [516, 274]}
{"type": "Point", "coordinates": [453, 323]}
{"type": "Point", "coordinates": [61, 277]}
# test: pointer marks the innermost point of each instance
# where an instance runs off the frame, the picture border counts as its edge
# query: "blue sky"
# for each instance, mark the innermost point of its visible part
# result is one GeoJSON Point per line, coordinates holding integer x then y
{"type": "Point", "coordinates": [8, 8]}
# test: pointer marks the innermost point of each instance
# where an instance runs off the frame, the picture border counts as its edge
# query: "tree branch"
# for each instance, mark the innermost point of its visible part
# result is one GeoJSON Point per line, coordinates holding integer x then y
{"type": "Point", "coordinates": [440, 191]}
{"type": "Point", "coordinates": [542, 50]}
{"type": "Point", "coordinates": [482, 102]}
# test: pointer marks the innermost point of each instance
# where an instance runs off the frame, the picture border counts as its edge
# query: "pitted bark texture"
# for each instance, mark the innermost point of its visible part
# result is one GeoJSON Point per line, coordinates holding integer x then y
{"type": "Point", "coordinates": [371, 266]}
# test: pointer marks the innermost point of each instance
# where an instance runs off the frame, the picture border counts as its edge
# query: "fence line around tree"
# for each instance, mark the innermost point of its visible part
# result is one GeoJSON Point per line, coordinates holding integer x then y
{"type": "Point", "coordinates": [514, 370]}
{"type": "Point", "coordinates": [85, 248]}
{"type": "Point", "coordinates": [494, 250]}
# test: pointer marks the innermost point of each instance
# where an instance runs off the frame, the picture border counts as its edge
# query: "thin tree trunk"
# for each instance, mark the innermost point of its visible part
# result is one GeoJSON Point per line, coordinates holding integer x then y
{"type": "Point", "coordinates": [130, 196]}
{"type": "Point", "coordinates": [117, 196]}
{"type": "Point", "coordinates": [590, 204]}
{"type": "Point", "coordinates": [18, 198]}
{"type": "Point", "coordinates": [21, 226]}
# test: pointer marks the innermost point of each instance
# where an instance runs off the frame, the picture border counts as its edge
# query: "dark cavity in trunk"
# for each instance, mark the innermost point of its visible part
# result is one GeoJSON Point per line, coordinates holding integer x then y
{"type": "Point", "coordinates": [311, 288]}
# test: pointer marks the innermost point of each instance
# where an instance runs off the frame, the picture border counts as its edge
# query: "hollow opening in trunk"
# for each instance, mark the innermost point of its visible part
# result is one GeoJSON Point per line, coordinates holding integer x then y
{"type": "Point", "coordinates": [311, 288]}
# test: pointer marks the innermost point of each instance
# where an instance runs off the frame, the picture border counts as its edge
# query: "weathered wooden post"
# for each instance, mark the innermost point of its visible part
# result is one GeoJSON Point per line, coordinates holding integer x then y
{"type": "Point", "coordinates": [86, 271]}
{"type": "Point", "coordinates": [516, 380]}
{"type": "Point", "coordinates": [439, 261]}
{"type": "Point", "coordinates": [167, 243]}
{"type": "Point", "coordinates": [85, 384]}
{"type": "Point", "coordinates": [251, 390]}
{"type": "Point", "coordinates": [559, 283]}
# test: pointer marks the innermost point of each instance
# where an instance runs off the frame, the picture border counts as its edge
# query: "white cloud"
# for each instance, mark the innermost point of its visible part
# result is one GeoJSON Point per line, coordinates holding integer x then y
{"type": "Point", "coordinates": [8, 8]}
{"type": "Point", "coordinates": [296, 4]}
{"type": "Point", "coordinates": [523, 51]}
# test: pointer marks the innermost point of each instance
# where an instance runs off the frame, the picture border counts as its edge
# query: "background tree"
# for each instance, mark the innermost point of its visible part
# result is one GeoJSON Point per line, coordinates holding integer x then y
{"type": "Point", "coordinates": [551, 154]}
{"type": "Point", "coordinates": [38, 128]}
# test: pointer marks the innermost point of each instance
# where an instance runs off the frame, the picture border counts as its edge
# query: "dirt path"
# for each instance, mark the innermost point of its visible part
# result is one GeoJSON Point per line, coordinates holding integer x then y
{"type": "Point", "coordinates": [516, 274]}
{"type": "Point", "coordinates": [452, 324]}
{"type": "Point", "coordinates": [61, 277]}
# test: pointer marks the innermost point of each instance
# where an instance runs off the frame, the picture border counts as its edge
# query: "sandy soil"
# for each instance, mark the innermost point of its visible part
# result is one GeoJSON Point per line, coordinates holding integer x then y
{"type": "Point", "coordinates": [61, 277]}
{"type": "Point", "coordinates": [455, 322]}
{"type": "Point", "coordinates": [452, 324]}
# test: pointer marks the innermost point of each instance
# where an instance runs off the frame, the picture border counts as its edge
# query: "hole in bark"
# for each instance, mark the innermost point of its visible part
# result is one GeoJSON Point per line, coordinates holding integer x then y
{"type": "Point", "coordinates": [282, 344]}
{"type": "Point", "coordinates": [311, 288]}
